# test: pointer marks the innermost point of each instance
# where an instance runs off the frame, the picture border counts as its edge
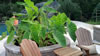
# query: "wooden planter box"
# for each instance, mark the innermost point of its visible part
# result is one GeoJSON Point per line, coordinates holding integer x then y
{"type": "Point", "coordinates": [13, 50]}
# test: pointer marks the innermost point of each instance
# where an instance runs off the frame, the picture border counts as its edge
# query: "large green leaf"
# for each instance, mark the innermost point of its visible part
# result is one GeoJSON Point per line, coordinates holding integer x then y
{"type": "Point", "coordinates": [71, 29]}
{"type": "Point", "coordinates": [9, 24]}
{"type": "Point", "coordinates": [48, 9]}
{"type": "Point", "coordinates": [31, 8]}
{"type": "Point", "coordinates": [68, 21]}
{"type": "Point", "coordinates": [48, 2]}
{"type": "Point", "coordinates": [21, 3]}
{"type": "Point", "coordinates": [26, 35]}
{"type": "Point", "coordinates": [28, 21]}
{"type": "Point", "coordinates": [57, 22]}
{"type": "Point", "coordinates": [43, 33]}
{"type": "Point", "coordinates": [10, 37]}
{"type": "Point", "coordinates": [43, 19]}
{"type": "Point", "coordinates": [29, 2]}
{"type": "Point", "coordinates": [35, 31]}
{"type": "Point", "coordinates": [19, 14]}
{"type": "Point", "coordinates": [30, 12]}
{"type": "Point", "coordinates": [60, 19]}
{"type": "Point", "coordinates": [59, 37]}
{"type": "Point", "coordinates": [23, 26]}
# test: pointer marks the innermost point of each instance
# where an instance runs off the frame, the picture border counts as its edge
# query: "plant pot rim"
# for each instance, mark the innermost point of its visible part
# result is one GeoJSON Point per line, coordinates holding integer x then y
{"type": "Point", "coordinates": [12, 48]}
{"type": "Point", "coordinates": [16, 49]}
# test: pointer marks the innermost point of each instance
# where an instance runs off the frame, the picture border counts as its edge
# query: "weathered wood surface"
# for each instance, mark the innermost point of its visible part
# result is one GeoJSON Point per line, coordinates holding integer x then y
{"type": "Point", "coordinates": [29, 48]}
{"type": "Point", "coordinates": [83, 37]}
{"type": "Point", "coordinates": [67, 51]}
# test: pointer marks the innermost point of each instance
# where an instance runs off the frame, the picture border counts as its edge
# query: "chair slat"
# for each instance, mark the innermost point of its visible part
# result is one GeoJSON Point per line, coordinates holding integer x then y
{"type": "Point", "coordinates": [83, 37]}
{"type": "Point", "coordinates": [29, 48]}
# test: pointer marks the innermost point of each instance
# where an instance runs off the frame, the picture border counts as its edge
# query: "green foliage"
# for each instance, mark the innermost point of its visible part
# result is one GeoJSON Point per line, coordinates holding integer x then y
{"type": "Point", "coordinates": [4, 34]}
{"type": "Point", "coordinates": [57, 27]}
{"type": "Point", "coordinates": [59, 37]}
{"type": "Point", "coordinates": [7, 9]}
{"type": "Point", "coordinates": [10, 37]}
{"type": "Point", "coordinates": [44, 31]}
{"type": "Point", "coordinates": [78, 9]}
{"type": "Point", "coordinates": [87, 7]}
{"type": "Point", "coordinates": [95, 14]}
{"type": "Point", "coordinates": [93, 22]}
{"type": "Point", "coordinates": [72, 28]}
{"type": "Point", "coordinates": [72, 9]}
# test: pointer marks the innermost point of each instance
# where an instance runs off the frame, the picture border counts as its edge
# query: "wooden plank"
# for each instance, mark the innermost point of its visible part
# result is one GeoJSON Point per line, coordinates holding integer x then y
{"type": "Point", "coordinates": [29, 48]}
{"type": "Point", "coordinates": [83, 37]}
{"type": "Point", "coordinates": [67, 51]}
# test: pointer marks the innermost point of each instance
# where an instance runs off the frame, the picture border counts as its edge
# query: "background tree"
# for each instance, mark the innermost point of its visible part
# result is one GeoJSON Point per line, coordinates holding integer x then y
{"type": "Point", "coordinates": [87, 7]}
{"type": "Point", "coordinates": [70, 8]}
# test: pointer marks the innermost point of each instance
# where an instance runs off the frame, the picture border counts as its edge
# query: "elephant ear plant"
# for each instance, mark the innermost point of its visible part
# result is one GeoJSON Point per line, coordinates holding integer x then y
{"type": "Point", "coordinates": [35, 25]}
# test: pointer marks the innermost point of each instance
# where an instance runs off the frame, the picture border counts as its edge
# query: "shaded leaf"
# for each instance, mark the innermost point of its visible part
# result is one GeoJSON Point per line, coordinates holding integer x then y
{"type": "Point", "coordinates": [71, 29]}
{"type": "Point", "coordinates": [51, 39]}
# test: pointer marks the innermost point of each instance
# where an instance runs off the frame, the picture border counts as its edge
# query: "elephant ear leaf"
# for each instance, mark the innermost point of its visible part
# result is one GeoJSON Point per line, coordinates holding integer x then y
{"type": "Point", "coordinates": [10, 37]}
{"type": "Point", "coordinates": [59, 37]}
{"type": "Point", "coordinates": [26, 35]}
{"type": "Point", "coordinates": [71, 30]}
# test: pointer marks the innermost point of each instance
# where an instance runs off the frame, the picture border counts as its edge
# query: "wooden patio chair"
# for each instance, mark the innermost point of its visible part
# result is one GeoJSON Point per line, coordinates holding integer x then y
{"type": "Point", "coordinates": [84, 38]}
{"type": "Point", "coordinates": [29, 48]}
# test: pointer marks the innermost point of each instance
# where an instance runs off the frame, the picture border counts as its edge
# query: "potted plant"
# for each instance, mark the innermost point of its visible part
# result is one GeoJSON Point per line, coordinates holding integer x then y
{"type": "Point", "coordinates": [35, 25]}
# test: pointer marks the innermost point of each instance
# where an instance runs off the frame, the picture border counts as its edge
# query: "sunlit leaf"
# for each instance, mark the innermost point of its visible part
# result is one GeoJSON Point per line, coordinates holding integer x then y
{"type": "Point", "coordinates": [19, 14]}
{"type": "Point", "coordinates": [35, 31]}
{"type": "Point", "coordinates": [48, 2]}
{"type": "Point", "coordinates": [43, 33]}
{"type": "Point", "coordinates": [11, 37]}
{"type": "Point", "coordinates": [26, 35]}
{"type": "Point", "coordinates": [59, 37]}
{"type": "Point", "coordinates": [51, 10]}
{"type": "Point", "coordinates": [21, 3]}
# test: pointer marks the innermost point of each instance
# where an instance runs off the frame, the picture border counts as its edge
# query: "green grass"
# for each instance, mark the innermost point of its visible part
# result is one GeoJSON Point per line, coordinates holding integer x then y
{"type": "Point", "coordinates": [93, 22]}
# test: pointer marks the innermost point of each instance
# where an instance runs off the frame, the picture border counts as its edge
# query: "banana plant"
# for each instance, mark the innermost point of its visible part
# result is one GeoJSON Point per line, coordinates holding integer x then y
{"type": "Point", "coordinates": [35, 25]}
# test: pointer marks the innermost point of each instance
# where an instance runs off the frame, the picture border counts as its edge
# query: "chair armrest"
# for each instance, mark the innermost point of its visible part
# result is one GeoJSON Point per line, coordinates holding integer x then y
{"type": "Point", "coordinates": [97, 43]}
{"type": "Point", "coordinates": [82, 47]}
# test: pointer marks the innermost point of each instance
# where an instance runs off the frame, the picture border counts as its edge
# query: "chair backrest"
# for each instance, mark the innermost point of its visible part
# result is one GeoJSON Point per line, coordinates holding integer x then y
{"type": "Point", "coordinates": [29, 48]}
{"type": "Point", "coordinates": [83, 37]}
